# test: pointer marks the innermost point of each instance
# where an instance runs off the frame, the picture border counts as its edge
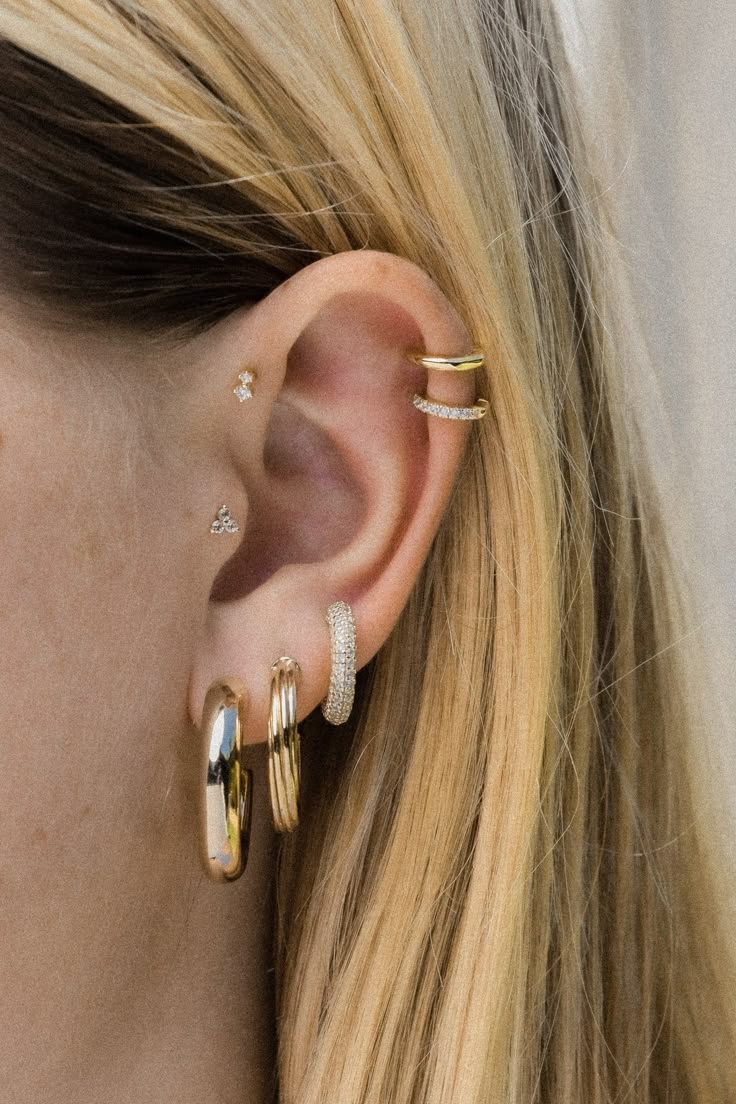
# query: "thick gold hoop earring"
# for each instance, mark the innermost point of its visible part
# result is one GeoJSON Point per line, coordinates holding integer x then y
{"type": "Point", "coordinates": [227, 793]}
{"type": "Point", "coordinates": [284, 756]}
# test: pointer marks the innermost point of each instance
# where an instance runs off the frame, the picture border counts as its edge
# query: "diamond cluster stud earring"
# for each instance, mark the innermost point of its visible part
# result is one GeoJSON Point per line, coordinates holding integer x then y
{"type": "Point", "coordinates": [223, 523]}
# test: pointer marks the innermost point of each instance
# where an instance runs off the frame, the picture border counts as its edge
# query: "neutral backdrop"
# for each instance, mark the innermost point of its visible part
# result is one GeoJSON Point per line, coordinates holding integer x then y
{"type": "Point", "coordinates": [658, 85]}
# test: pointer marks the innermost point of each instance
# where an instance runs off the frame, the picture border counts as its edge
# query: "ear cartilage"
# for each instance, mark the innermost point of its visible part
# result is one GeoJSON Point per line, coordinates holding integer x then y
{"type": "Point", "coordinates": [224, 523]}
{"type": "Point", "coordinates": [243, 390]}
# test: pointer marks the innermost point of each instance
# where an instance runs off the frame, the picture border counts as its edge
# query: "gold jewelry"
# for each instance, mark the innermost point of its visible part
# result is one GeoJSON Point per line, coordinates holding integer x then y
{"type": "Point", "coordinates": [223, 523]}
{"type": "Point", "coordinates": [228, 788]}
{"type": "Point", "coordinates": [447, 364]}
{"type": "Point", "coordinates": [337, 704]}
{"type": "Point", "coordinates": [445, 410]}
{"type": "Point", "coordinates": [243, 390]}
{"type": "Point", "coordinates": [284, 757]}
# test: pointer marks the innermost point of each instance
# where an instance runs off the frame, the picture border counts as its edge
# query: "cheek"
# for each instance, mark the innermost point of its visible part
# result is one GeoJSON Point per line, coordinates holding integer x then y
{"type": "Point", "coordinates": [98, 841]}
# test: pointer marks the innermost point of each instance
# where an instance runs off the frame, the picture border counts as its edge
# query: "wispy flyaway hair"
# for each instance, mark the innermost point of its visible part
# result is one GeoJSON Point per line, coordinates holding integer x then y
{"type": "Point", "coordinates": [501, 891]}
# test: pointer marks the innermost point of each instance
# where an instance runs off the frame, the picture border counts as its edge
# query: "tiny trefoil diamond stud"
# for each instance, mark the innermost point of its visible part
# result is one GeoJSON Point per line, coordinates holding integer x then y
{"type": "Point", "coordinates": [243, 390]}
{"type": "Point", "coordinates": [223, 523]}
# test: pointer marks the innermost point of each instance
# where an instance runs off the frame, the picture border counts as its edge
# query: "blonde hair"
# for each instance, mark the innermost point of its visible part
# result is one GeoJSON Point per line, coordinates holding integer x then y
{"type": "Point", "coordinates": [501, 889]}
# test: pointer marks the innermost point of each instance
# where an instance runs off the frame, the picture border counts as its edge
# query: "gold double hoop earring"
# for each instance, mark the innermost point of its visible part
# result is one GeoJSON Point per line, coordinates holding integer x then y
{"type": "Point", "coordinates": [284, 754]}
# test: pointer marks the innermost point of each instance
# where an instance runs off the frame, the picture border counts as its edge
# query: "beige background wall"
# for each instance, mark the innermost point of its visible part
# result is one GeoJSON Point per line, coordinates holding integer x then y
{"type": "Point", "coordinates": [659, 80]}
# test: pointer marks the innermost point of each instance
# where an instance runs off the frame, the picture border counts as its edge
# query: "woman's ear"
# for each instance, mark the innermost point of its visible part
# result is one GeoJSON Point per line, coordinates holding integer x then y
{"type": "Point", "coordinates": [337, 481]}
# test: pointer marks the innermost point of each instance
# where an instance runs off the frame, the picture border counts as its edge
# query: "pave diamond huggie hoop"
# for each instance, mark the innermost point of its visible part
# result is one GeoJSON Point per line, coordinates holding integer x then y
{"type": "Point", "coordinates": [336, 706]}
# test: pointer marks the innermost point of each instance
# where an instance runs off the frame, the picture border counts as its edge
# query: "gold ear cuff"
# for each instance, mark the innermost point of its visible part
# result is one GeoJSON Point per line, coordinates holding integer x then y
{"type": "Point", "coordinates": [465, 363]}
{"type": "Point", "coordinates": [450, 364]}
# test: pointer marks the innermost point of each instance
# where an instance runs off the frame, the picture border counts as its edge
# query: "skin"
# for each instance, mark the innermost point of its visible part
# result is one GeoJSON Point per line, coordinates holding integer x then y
{"type": "Point", "coordinates": [126, 974]}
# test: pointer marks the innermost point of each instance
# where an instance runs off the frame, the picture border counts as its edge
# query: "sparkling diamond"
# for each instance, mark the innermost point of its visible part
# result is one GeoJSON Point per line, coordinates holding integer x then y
{"type": "Point", "coordinates": [223, 523]}
{"type": "Point", "coordinates": [339, 701]}
{"type": "Point", "coordinates": [445, 410]}
{"type": "Point", "coordinates": [243, 390]}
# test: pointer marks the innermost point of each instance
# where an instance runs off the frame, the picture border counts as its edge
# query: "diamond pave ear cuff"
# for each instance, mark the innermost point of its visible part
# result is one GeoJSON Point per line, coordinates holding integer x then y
{"type": "Point", "coordinates": [445, 410]}
{"type": "Point", "coordinates": [450, 364]}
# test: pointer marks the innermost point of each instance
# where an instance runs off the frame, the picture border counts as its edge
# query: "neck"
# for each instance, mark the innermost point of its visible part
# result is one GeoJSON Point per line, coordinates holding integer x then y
{"type": "Point", "coordinates": [207, 1034]}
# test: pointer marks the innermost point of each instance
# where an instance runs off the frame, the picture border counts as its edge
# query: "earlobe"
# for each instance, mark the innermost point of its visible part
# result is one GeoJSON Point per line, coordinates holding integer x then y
{"type": "Point", "coordinates": [347, 477]}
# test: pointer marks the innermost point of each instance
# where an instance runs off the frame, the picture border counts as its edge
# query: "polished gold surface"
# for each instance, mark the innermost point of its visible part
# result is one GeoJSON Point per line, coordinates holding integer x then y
{"type": "Point", "coordinates": [228, 788]}
{"type": "Point", "coordinates": [284, 759]}
{"type": "Point", "coordinates": [450, 364]}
